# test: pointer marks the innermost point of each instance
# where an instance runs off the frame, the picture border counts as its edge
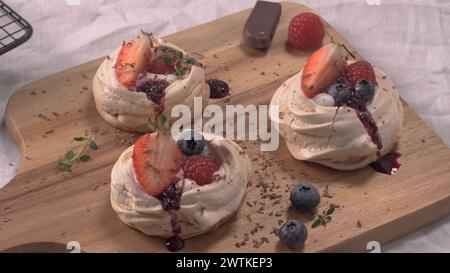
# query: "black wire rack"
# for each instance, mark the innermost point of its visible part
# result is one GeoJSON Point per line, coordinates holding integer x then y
{"type": "Point", "coordinates": [14, 30]}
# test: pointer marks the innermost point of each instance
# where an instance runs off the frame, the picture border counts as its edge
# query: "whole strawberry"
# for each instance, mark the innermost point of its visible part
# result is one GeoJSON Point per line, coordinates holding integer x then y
{"type": "Point", "coordinates": [306, 31]}
{"type": "Point", "coordinates": [359, 71]}
{"type": "Point", "coordinates": [200, 168]}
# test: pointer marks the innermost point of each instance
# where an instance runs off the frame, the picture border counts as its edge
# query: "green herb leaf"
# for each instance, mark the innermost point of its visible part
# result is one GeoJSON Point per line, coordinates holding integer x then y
{"type": "Point", "coordinates": [65, 165]}
{"type": "Point", "coordinates": [180, 55]}
{"type": "Point", "coordinates": [61, 162]}
{"type": "Point", "coordinates": [316, 223]}
{"type": "Point", "coordinates": [167, 59]}
{"type": "Point", "coordinates": [328, 219]}
{"type": "Point", "coordinates": [85, 157]}
{"type": "Point", "coordinates": [179, 70]}
{"type": "Point", "coordinates": [67, 168]}
{"type": "Point", "coordinates": [79, 138]}
{"type": "Point", "coordinates": [93, 145]}
{"type": "Point", "coordinates": [162, 122]}
{"type": "Point", "coordinates": [70, 154]}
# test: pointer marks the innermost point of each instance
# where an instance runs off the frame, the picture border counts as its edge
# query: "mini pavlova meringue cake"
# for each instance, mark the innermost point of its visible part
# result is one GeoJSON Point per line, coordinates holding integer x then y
{"type": "Point", "coordinates": [341, 114]}
{"type": "Point", "coordinates": [145, 77]}
{"type": "Point", "coordinates": [179, 189]}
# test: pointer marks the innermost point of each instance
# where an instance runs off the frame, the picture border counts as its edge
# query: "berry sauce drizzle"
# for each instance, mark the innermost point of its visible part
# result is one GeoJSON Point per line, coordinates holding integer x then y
{"type": "Point", "coordinates": [387, 164]}
{"type": "Point", "coordinates": [366, 119]}
{"type": "Point", "coordinates": [170, 202]}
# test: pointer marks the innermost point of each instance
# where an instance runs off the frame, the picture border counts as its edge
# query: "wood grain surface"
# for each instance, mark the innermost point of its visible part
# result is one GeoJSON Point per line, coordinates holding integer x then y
{"type": "Point", "coordinates": [43, 204]}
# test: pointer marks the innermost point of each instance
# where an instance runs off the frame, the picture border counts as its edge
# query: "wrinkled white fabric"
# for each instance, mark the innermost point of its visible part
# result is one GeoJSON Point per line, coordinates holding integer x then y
{"type": "Point", "coordinates": [407, 39]}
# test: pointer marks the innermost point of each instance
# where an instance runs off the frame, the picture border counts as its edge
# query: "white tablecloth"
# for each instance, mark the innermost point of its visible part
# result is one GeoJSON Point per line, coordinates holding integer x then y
{"type": "Point", "coordinates": [408, 39]}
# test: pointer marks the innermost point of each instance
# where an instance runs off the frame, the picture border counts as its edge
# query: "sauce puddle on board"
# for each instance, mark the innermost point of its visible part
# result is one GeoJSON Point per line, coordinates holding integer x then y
{"type": "Point", "coordinates": [387, 164]}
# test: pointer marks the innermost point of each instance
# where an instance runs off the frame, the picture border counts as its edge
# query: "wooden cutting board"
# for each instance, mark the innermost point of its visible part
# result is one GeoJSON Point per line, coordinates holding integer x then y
{"type": "Point", "coordinates": [47, 205]}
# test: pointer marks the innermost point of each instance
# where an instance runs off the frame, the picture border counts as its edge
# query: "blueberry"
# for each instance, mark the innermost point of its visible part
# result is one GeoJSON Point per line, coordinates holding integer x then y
{"type": "Point", "coordinates": [305, 197]}
{"type": "Point", "coordinates": [365, 90]}
{"type": "Point", "coordinates": [341, 80]}
{"type": "Point", "coordinates": [343, 97]}
{"type": "Point", "coordinates": [293, 234]}
{"type": "Point", "coordinates": [337, 88]}
{"type": "Point", "coordinates": [191, 143]}
{"type": "Point", "coordinates": [219, 89]}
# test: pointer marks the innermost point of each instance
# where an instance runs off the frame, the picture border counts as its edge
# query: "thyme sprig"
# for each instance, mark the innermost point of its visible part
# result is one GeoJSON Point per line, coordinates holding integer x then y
{"type": "Point", "coordinates": [324, 218]}
{"type": "Point", "coordinates": [66, 163]}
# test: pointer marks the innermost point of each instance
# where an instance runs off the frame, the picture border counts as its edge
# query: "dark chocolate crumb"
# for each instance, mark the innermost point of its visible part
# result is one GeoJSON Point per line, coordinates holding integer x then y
{"type": "Point", "coordinates": [358, 224]}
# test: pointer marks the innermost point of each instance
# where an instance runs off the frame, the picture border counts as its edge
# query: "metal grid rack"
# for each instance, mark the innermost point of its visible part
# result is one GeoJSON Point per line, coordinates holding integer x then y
{"type": "Point", "coordinates": [14, 30]}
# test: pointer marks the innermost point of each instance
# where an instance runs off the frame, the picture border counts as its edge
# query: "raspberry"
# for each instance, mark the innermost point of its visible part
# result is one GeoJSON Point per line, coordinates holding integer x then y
{"type": "Point", "coordinates": [158, 66]}
{"type": "Point", "coordinates": [200, 168]}
{"type": "Point", "coordinates": [306, 31]}
{"type": "Point", "coordinates": [359, 71]}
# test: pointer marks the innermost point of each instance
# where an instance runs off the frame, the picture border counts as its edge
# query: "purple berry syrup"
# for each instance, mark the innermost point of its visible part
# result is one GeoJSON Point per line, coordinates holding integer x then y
{"type": "Point", "coordinates": [387, 164]}
{"type": "Point", "coordinates": [170, 202]}
{"type": "Point", "coordinates": [366, 119]}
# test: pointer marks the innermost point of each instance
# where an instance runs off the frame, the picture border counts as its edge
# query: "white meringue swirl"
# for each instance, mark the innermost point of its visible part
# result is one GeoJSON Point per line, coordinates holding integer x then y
{"type": "Point", "coordinates": [129, 110]}
{"type": "Point", "coordinates": [310, 136]}
{"type": "Point", "coordinates": [202, 208]}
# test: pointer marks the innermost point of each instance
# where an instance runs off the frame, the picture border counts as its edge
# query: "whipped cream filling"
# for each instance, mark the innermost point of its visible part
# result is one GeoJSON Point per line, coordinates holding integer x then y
{"type": "Point", "coordinates": [202, 208]}
{"type": "Point", "coordinates": [316, 133]}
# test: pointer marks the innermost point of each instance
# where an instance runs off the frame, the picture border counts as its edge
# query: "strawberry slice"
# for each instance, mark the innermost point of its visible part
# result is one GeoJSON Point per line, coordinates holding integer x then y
{"type": "Point", "coordinates": [156, 161]}
{"type": "Point", "coordinates": [322, 69]}
{"type": "Point", "coordinates": [132, 59]}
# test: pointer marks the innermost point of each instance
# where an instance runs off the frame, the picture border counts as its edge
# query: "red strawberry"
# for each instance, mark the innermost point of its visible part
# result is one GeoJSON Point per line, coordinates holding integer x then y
{"type": "Point", "coordinates": [358, 71]}
{"type": "Point", "coordinates": [322, 69]}
{"type": "Point", "coordinates": [132, 59]}
{"type": "Point", "coordinates": [200, 168]}
{"type": "Point", "coordinates": [306, 31]}
{"type": "Point", "coordinates": [156, 161]}
{"type": "Point", "coordinates": [159, 66]}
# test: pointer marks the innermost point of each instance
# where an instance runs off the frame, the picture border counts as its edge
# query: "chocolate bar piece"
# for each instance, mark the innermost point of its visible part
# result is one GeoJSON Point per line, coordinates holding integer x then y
{"type": "Point", "coordinates": [261, 25]}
